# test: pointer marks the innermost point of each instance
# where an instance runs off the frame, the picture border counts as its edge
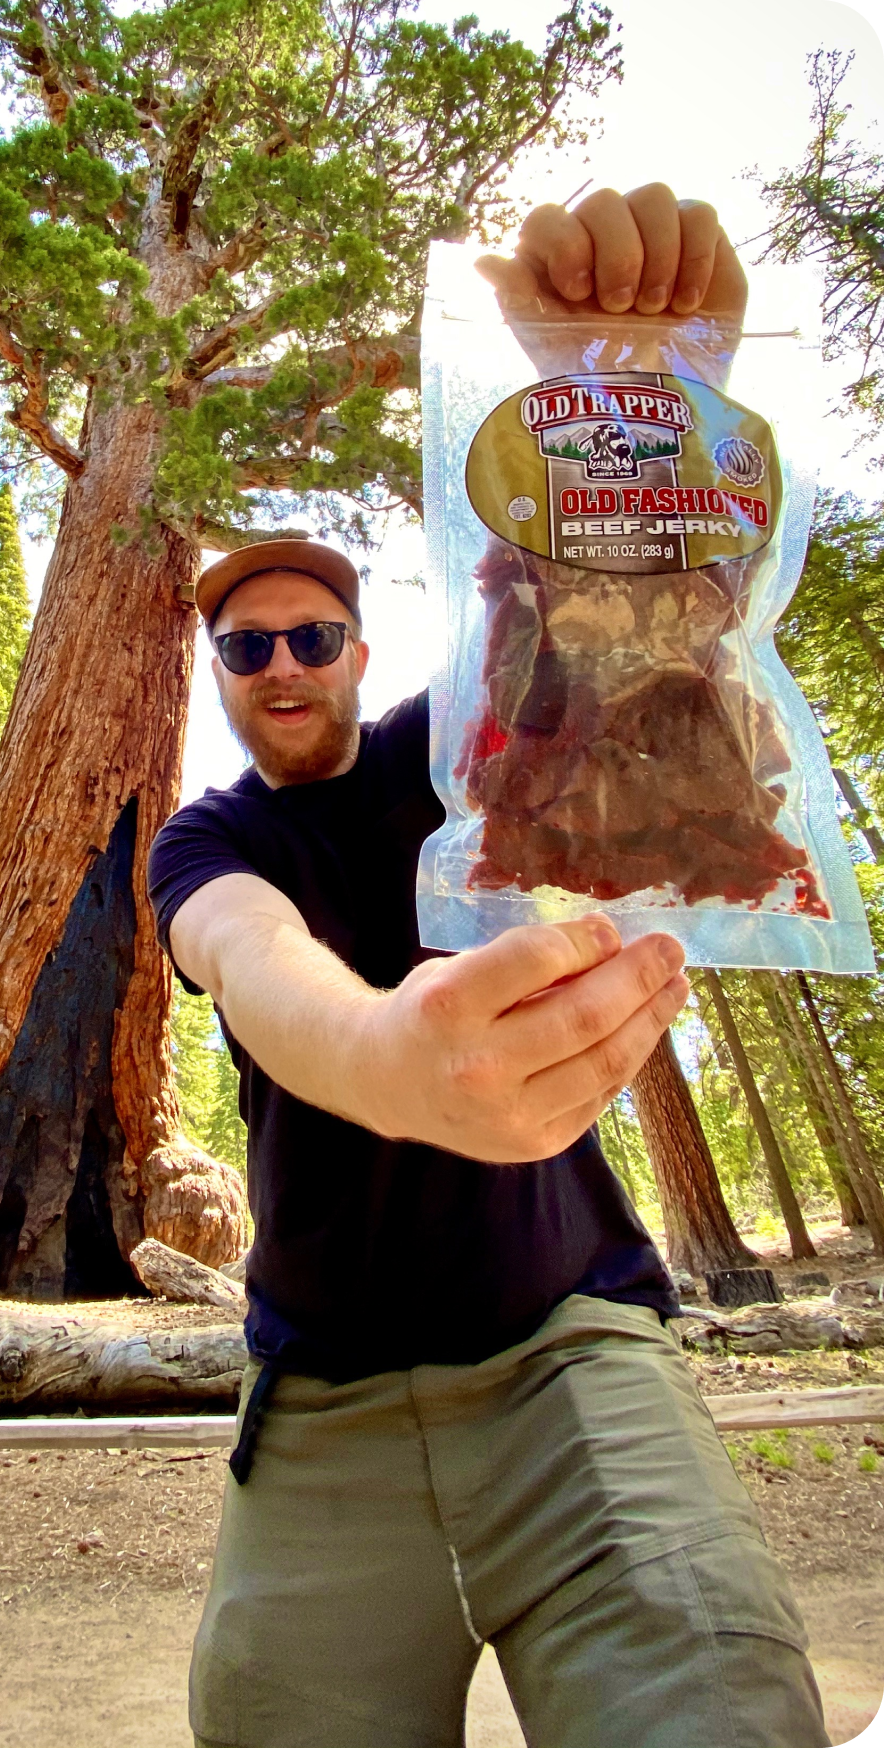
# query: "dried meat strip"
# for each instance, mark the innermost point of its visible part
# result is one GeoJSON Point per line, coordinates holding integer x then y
{"type": "Point", "coordinates": [619, 750]}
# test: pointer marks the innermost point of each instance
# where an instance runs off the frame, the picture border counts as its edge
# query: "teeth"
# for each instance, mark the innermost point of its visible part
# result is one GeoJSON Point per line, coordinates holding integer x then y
{"type": "Point", "coordinates": [281, 704]}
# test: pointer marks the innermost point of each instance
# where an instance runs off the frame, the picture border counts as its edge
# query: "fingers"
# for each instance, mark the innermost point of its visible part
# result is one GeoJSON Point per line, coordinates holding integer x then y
{"type": "Point", "coordinates": [728, 290]}
{"type": "Point", "coordinates": [484, 983]}
{"type": "Point", "coordinates": [514, 280]}
{"type": "Point", "coordinates": [568, 1020]}
{"type": "Point", "coordinates": [597, 249]}
{"type": "Point", "coordinates": [559, 248]}
{"type": "Point", "coordinates": [655, 211]}
{"type": "Point", "coordinates": [644, 251]}
{"type": "Point", "coordinates": [608, 1066]}
{"type": "Point", "coordinates": [699, 241]}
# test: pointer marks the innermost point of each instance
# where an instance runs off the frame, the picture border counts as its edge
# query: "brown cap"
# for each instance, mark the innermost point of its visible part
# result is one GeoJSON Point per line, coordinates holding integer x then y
{"type": "Point", "coordinates": [311, 557]}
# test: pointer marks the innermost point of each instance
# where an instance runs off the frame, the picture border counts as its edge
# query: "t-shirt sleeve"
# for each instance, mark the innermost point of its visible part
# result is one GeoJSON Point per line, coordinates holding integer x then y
{"type": "Point", "coordinates": [403, 735]}
{"type": "Point", "coordinates": [193, 847]}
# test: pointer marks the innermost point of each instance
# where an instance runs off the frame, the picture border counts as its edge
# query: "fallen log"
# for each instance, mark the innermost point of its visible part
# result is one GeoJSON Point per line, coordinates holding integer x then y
{"type": "Point", "coordinates": [755, 1410]}
{"type": "Point", "coordinates": [63, 1361]}
{"type": "Point", "coordinates": [751, 1411]}
{"type": "Point", "coordinates": [766, 1329]}
{"type": "Point", "coordinates": [169, 1273]}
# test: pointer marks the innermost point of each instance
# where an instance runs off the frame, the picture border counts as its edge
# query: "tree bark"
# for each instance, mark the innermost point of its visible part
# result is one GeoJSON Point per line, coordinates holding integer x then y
{"type": "Point", "coordinates": [71, 1362]}
{"type": "Point", "coordinates": [91, 1155]}
{"type": "Point", "coordinates": [781, 1183]}
{"type": "Point", "coordinates": [700, 1233]}
{"type": "Point", "coordinates": [833, 1142]}
{"type": "Point", "coordinates": [856, 1160]}
{"type": "Point", "coordinates": [780, 1328]}
{"type": "Point", "coordinates": [168, 1274]}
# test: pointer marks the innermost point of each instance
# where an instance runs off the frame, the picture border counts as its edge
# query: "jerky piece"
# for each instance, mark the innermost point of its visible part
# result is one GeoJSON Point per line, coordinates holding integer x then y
{"type": "Point", "coordinates": [620, 749]}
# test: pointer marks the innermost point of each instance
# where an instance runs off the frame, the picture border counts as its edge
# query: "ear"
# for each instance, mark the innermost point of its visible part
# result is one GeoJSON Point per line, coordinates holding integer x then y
{"type": "Point", "coordinates": [361, 652]}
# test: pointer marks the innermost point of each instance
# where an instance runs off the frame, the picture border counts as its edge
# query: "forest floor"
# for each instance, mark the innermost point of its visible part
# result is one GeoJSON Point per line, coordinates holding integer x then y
{"type": "Point", "coordinates": [105, 1557]}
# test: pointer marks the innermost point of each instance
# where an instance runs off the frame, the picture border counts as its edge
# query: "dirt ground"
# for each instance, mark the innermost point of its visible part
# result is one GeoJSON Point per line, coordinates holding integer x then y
{"type": "Point", "coordinates": [105, 1558]}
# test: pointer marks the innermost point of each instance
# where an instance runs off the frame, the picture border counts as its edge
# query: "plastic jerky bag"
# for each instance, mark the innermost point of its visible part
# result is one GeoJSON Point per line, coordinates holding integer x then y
{"type": "Point", "coordinates": [617, 515]}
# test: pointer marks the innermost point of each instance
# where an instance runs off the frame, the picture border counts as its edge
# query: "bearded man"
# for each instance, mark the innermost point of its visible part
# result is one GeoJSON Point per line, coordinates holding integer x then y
{"type": "Point", "coordinates": [464, 1419]}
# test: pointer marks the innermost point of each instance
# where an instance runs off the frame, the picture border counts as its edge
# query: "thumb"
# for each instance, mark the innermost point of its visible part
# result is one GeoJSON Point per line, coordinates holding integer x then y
{"type": "Point", "coordinates": [489, 980]}
{"type": "Point", "coordinates": [514, 281]}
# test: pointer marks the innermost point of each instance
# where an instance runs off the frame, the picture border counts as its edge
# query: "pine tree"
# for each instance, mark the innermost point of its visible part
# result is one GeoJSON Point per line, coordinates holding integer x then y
{"type": "Point", "coordinates": [832, 635]}
{"type": "Point", "coordinates": [700, 1233]}
{"type": "Point", "coordinates": [831, 209]}
{"type": "Point", "coordinates": [214, 222]}
{"type": "Point", "coordinates": [15, 610]}
{"type": "Point", "coordinates": [206, 1080]}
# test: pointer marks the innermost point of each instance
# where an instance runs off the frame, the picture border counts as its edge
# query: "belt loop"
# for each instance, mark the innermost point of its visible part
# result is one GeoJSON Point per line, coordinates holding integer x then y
{"type": "Point", "coordinates": [241, 1458]}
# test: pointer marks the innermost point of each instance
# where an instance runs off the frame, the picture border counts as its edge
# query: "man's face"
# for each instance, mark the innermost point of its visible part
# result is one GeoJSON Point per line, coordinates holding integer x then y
{"type": "Point", "coordinates": [320, 736]}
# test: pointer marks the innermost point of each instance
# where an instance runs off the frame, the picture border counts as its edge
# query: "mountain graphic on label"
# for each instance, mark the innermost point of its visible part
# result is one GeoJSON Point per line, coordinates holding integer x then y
{"type": "Point", "coordinates": [608, 449]}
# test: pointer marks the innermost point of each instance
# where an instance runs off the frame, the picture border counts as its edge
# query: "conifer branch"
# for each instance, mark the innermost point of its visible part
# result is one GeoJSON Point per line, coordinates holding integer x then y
{"type": "Point", "coordinates": [42, 61]}
{"type": "Point", "coordinates": [241, 252]}
{"type": "Point", "coordinates": [180, 180]}
{"type": "Point", "coordinates": [29, 415]}
{"type": "Point", "coordinates": [392, 361]}
{"type": "Point", "coordinates": [220, 345]}
{"type": "Point", "coordinates": [219, 538]}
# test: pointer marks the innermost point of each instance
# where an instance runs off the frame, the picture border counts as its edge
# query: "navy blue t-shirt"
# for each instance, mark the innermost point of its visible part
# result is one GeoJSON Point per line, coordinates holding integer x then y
{"type": "Point", "coordinates": [373, 1255]}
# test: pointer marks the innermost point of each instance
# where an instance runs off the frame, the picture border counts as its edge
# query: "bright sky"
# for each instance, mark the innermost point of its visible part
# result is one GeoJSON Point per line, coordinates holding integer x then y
{"type": "Point", "coordinates": [708, 91]}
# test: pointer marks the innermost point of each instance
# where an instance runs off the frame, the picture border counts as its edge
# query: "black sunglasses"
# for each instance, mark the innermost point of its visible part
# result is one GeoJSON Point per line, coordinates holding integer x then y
{"type": "Point", "coordinates": [315, 645]}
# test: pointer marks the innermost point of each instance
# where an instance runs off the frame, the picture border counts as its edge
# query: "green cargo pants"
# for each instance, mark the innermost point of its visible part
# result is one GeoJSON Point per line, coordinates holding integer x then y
{"type": "Point", "coordinates": [568, 1501]}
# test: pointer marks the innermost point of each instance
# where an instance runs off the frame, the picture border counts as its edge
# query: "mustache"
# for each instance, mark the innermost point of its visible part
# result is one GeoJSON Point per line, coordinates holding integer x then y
{"type": "Point", "coordinates": [304, 693]}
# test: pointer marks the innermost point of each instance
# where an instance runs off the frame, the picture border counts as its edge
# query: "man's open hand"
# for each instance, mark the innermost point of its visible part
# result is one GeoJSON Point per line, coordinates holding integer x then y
{"type": "Point", "coordinates": [509, 1052]}
{"type": "Point", "coordinates": [644, 252]}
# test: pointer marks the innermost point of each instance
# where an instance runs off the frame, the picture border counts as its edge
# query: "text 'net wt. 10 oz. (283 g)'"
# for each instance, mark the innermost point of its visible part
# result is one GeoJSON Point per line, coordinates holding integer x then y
{"type": "Point", "coordinates": [617, 515]}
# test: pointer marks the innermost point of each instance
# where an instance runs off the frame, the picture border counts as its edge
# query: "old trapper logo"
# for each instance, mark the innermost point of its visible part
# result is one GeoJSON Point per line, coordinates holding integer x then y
{"type": "Point", "coordinates": [610, 428]}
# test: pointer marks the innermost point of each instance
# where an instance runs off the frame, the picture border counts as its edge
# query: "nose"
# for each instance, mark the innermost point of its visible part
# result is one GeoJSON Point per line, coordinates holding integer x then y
{"type": "Point", "coordinates": [282, 664]}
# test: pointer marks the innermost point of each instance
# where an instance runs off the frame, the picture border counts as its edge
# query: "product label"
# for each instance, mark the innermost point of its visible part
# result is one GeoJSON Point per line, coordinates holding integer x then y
{"type": "Point", "coordinates": [626, 472]}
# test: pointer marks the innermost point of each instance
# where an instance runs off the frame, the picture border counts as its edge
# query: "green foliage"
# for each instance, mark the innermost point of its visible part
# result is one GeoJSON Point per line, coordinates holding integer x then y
{"type": "Point", "coordinates": [621, 1139]}
{"type": "Point", "coordinates": [831, 209]}
{"type": "Point", "coordinates": [774, 1448]}
{"type": "Point", "coordinates": [224, 207]}
{"type": "Point", "coordinates": [15, 610]}
{"type": "Point", "coordinates": [206, 1080]}
{"type": "Point", "coordinates": [832, 636]}
{"type": "Point", "coordinates": [823, 1452]}
{"type": "Point", "coordinates": [867, 1461]}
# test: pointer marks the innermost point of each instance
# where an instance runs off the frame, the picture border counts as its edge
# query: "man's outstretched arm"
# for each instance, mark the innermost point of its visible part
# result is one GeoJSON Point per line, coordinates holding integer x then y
{"type": "Point", "coordinates": [506, 1053]}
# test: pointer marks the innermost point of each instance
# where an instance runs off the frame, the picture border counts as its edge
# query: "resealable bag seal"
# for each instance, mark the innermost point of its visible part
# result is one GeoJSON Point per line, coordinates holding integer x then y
{"type": "Point", "coordinates": [617, 512]}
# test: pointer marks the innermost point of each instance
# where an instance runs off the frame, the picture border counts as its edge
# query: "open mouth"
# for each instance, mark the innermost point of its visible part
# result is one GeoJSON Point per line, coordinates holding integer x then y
{"type": "Point", "coordinates": [284, 711]}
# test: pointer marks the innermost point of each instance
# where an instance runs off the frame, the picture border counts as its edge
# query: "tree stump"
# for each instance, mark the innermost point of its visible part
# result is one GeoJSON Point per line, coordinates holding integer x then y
{"type": "Point", "coordinates": [732, 1287]}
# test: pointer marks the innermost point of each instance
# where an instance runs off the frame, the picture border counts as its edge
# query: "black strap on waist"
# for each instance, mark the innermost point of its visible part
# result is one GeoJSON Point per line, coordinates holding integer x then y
{"type": "Point", "coordinates": [242, 1456]}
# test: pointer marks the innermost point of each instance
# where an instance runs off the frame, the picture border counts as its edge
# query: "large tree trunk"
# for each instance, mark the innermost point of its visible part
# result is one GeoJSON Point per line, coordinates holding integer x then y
{"type": "Point", "coordinates": [91, 1157]}
{"type": "Point", "coordinates": [700, 1233]}
{"type": "Point", "coordinates": [781, 1183]}
{"type": "Point", "coordinates": [833, 1142]}
{"type": "Point", "coordinates": [859, 1165]}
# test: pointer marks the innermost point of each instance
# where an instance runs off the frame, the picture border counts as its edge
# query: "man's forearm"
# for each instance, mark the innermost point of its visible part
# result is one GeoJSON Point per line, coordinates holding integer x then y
{"type": "Point", "coordinates": [300, 1013]}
